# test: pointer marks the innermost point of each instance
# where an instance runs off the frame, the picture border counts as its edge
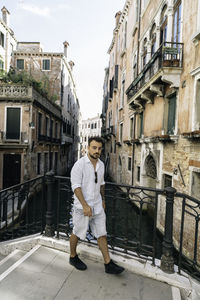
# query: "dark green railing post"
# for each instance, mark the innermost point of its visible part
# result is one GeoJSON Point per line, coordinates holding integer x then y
{"type": "Point", "coordinates": [50, 182]}
{"type": "Point", "coordinates": [167, 259]}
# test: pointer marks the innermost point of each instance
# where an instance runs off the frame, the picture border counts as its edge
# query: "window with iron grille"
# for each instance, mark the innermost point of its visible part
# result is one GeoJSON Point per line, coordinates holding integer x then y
{"type": "Point", "coordinates": [167, 180]}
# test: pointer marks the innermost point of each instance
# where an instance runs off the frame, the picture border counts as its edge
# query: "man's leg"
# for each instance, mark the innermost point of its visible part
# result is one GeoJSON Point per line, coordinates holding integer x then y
{"type": "Point", "coordinates": [103, 246]}
{"type": "Point", "coordinates": [110, 266]}
{"type": "Point", "coordinates": [73, 245]}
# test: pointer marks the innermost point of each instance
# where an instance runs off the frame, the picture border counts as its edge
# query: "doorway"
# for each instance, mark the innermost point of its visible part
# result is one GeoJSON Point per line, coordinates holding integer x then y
{"type": "Point", "coordinates": [11, 169]}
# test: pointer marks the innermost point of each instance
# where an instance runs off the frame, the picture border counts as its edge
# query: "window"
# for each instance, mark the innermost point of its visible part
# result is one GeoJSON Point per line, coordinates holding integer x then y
{"type": "Point", "coordinates": [122, 91]}
{"type": "Point", "coordinates": [39, 124]}
{"type": "Point", "coordinates": [177, 23]}
{"type": "Point", "coordinates": [45, 162]}
{"type": "Point", "coordinates": [20, 64]}
{"type": "Point", "coordinates": [125, 35]}
{"type": "Point", "coordinates": [38, 163]}
{"type": "Point", "coordinates": [56, 130]}
{"type": "Point", "coordinates": [56, 162]}
{"type": "Point", "coordinates": [167, 181]}
{"type": "Point", "coordinates": [153, 39]}
{"type": "Point", "coordinates": [47, 127]}
{"type": "Point", "coordinates": [51, 128]}
{"type": "Point", "coordinates": [135, 67]}
{"type": "Point", "coordinates": [121, 132]}
{"type": "Point", "coordinates": [195, 187]}
{"type": "Point", "coordinates": [2, 39]}
{"type": "Point", "coordinates": [171, 114]}
{"type": "Point", "coordinates": [144, 55]}
{"type": "Point", "coordinates": [129, 163]}
{"type": "Point", "coordinates": [197, 106]}
{"type": "Point", "coordinates": [140, 125]}
{"type": "Point", "coordinates": [163, 25]}
{"type": "Point", "coordinates": [88, 125]}
{"type": "Point", "coordinates": [131, 128]}
{"type": "Point", "coordinates": [46, 64]}
{"type": "Point", "coordinates": [50, 160]}
{"type": "Point", "coordinates": [138, 174]}
{"type": "Point", "coordinates": [13, 123]}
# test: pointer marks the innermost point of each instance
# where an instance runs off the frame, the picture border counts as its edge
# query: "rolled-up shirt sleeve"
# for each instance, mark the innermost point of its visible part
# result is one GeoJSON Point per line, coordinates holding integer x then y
{"type": "Point", "coordinates": [76, 176]}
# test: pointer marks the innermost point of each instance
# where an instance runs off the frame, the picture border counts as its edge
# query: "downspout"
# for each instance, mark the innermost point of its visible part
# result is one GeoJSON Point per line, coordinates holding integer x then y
{"type": "Point", "coordinates": [133, 150]}
{"type": "Point", "coordinates": [134, 125]}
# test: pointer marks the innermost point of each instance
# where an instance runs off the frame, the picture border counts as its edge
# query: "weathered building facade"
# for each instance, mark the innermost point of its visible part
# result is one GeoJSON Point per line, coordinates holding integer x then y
{"type": "Point", "coordinates": [90, 127]}
{"type": "Point", "coordinates": [152, 101]}
{"type": "Point", "coordinates": [30, 135]}
{"type": "Point", "coordinates": [55, 74]}
{"type": "Point", "coordinates": [7, 40]}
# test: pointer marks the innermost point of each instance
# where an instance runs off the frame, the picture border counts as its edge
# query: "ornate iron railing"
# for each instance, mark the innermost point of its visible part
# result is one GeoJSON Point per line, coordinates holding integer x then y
{"type": "Point", "coordinates": [45, 205]}
{"type": "Point", "coordinates": [22, 209]}
{"type": "Point", "coordinates": [169, 55]}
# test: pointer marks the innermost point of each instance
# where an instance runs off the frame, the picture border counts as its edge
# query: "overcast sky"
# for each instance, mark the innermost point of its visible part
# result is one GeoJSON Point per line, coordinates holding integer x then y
{"type": "Point", "coordinates": [86, 24]}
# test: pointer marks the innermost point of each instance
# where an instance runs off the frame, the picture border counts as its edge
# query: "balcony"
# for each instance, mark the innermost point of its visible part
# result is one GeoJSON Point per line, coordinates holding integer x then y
{"type": "Point", "coordinates": [22, 139]}
{"type": "Point", "coordinates": [15, 91]}
{"type": "Point", "coordinates": [45, 138]}
{"type": "Point", "coordinates": [164, 68]}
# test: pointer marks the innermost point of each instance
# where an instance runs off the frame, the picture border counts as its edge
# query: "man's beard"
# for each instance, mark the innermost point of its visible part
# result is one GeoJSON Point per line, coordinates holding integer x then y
{"type": "Point", "coordinates": [94, 157]}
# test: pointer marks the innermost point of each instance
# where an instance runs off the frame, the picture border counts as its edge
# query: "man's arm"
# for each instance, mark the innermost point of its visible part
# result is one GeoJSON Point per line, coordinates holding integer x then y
{"type": "Point", "coordinates": [86, 208]}
{"type": "Point", "coordinates": [102, 192]}
{"type": "Point", "coordinates": [76, 181]}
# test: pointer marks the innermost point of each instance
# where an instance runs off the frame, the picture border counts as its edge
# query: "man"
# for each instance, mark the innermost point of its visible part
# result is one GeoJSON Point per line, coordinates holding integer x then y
{"type": "Point", "coordinates": [87, 179]}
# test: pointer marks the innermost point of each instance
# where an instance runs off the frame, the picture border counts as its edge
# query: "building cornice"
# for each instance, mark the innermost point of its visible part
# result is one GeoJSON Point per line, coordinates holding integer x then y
{"type": "Point", "coordinates": [24, 53]}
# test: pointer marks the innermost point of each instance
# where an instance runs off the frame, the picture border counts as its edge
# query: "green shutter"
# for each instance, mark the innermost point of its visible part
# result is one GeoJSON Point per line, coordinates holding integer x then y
{"type": "Point", "coordinates": [171, 115]}
{"type": "Point", "coordinates": [13, 123]}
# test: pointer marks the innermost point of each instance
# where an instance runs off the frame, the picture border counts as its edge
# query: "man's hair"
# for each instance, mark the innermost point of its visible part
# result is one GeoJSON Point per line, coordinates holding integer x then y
{"type": "Point", "coordinates": [97, 139]}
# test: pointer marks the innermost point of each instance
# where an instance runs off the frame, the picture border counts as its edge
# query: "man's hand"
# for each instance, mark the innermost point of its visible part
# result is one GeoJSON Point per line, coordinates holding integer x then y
{"type": "Point", "coordinates": [87, 210]}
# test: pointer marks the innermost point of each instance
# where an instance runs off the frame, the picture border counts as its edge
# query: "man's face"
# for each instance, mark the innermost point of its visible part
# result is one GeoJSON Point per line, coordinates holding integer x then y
{"type": "Point", "coordinates": [94, 149]}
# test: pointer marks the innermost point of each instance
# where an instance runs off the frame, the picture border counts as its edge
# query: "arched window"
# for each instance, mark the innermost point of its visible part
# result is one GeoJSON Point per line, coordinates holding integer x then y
{"type": "Point", "coordinates": [153, 39]}
{"type": "Point", "coordinates": [150, 167]}
{"type": "Point", "coordinates": [144, 56]}
{"type": "Point", "coordinates": [163, 25]}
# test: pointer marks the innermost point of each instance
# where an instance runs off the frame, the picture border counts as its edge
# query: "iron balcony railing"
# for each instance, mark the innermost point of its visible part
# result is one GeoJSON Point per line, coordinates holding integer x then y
{"type": "Point", "coordinates": [19, 138]}
{"type": "Point", "coordinates": [45, 205]}
{"type": "Point", "coordinates": [169, 55]}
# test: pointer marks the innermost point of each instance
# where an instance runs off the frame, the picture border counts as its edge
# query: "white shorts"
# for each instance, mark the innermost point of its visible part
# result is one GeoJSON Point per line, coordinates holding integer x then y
{"type": "Point", "coordinates": [81, 223]}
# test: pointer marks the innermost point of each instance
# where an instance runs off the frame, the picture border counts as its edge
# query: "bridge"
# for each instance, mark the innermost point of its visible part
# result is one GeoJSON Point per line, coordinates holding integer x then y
{"type": "Point", "coordinates": [35, 228]}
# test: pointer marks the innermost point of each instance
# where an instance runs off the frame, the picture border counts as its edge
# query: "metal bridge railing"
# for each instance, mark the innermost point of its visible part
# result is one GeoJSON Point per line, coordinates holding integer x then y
{"type": "Point", "coordinates": [44, 205]}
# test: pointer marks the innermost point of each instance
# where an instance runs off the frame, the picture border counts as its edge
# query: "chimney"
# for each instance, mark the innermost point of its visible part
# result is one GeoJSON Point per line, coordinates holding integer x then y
{"type": "Point", "coordinates": [117, 17]}
{"type": "Point", "coordinates": [66, 44]}
{"type": "Point", "coordinates": [5, 16]}
{"type": "Point", "coordinates": [71, 63]}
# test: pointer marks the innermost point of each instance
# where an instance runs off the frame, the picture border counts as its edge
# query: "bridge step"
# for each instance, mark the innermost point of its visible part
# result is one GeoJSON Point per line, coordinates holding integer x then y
{"type": "Point", "coordinates": [45, 273]}
{"type": "Point", "coordinates": [7, 261]}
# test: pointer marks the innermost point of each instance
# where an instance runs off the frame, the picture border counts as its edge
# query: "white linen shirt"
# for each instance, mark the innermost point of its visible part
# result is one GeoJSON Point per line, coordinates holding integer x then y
{"type": "Point", "coordinates": [83, 176]}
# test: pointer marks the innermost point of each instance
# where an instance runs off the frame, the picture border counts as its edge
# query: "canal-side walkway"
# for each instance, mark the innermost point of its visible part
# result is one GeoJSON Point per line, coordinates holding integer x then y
{"type": "Point", "coordinates": [37, 268]}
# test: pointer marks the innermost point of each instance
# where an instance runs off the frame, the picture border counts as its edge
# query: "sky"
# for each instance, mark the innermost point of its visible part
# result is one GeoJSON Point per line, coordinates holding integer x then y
{"type": "Point", "coordinates": [88, 27]}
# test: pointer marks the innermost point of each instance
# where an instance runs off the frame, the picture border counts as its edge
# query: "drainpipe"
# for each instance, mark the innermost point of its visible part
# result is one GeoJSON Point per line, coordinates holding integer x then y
{"type": "Point", "coordinates": [133, 150]}
{"type": "Point", "coordinates": [138, 43]}
{"type": "Point", "coordinates": [134, 125]}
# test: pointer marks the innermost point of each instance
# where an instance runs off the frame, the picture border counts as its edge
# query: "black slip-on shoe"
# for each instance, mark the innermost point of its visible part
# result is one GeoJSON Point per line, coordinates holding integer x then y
{"type": "Point", "coordinates": [112, 268]}
{"type": "Point", "coordinates": [77, 263]}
